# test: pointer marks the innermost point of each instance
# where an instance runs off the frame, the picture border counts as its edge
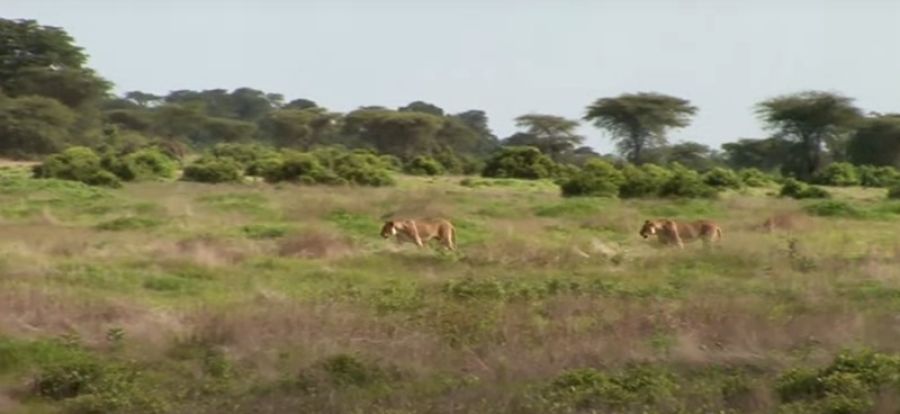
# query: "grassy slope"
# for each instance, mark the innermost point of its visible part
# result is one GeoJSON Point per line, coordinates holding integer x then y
{"type": "Point", "coordinates": [179, 297]}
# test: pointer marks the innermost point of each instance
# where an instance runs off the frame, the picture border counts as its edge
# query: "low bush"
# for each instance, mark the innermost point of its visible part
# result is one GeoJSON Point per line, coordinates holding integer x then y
{"type": "Point", "coordinates": [799, 190]}
{"type": "Point", "coordinates": [597, 178]}
{"type": "Point", "coordinates": [884, 176]}
{"type": "Point", "coordinates": [686, 183]}
{"type": "Point", "coordinates": [643, 181]}
{"type": "Point", "coordinates": [209, 169]}
{"type": "Point", "coordinates": [894, 192]}
{"type": "Point", "coordinates": [722, 178]}
{"type": "Point", "coordinates": [519, 162]}
{"type": "Point", "coordinates": [839, 174]}
{"type": "Point", "coordinates": [752, 177]}
{"type": "Point", "coordinates": [299, 167]}
{"type": "Point", "coordinates": [77, 164]}
{"type": "Point", "coordinates": [149, 164]}
{"type": "Point", "coordinates": [423, 165]}
{"type": "Point", "coordinates": [835, 208]}
{"type": "Point", "coordinates": [363, 169]}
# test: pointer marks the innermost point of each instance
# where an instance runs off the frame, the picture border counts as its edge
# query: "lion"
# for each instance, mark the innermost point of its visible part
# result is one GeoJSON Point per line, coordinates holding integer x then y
{"type": "Point", "coordinates": [421, 231]}
{"type": "Point", "coordinates": [669, 232]}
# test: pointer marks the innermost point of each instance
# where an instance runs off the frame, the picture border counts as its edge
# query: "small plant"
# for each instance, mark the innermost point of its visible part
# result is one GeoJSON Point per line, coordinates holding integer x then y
{"type": "Point", "coordinates": [722, 178]}
{"type": "Point", "coordinates": [596, 178]}
{"type": "Point", "coordinates": [752, 177]}
{"type": "Point", "coordinates": [210, 169]}
{"type": "Point", "coordinates": [423, 165]}
{"type": "Point", "coordinates": [839, 174]}
{"type": "Point", "coordinates": [686, 183]}
{"type": "Point", "coordinates": [797, 189]}
{"type": "Point", "coordinates": [519, 162]}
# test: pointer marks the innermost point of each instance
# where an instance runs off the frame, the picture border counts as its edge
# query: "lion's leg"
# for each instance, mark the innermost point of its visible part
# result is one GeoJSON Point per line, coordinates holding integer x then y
{"type": "Point", "coordinates": [416, 236]}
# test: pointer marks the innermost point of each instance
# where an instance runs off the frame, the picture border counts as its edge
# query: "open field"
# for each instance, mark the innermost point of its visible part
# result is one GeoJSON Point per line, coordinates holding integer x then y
{"type": "Point", "coordinates": [190, 298]}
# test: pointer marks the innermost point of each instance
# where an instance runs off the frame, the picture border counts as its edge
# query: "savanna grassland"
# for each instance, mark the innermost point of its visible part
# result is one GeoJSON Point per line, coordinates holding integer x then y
{"type": "Point", "coordinates": [191, 298]}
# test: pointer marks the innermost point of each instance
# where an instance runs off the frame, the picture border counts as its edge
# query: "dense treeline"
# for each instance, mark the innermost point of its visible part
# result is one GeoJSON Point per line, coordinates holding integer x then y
{"type": "Point", "coordinates": [50, 101]}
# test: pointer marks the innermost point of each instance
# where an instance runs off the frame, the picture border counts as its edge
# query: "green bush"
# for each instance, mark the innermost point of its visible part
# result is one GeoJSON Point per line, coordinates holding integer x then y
{"type": "Point", "coordinates": [597, 178]}
{"type": "Point", "coordinates": [835, 208]}
{"type": "Point", "coordinates": [588, 388]}
{"type": "Point", "coordinates": [722, 178]}
{"type": "Point", "coordinates": [797, 189]}
{"type": "Point", "coordinates": [363, 169]}
{"type": "Point", "coordinates": [884, 176]}
{"type": "Point", "coordinates": [423, 165]}
{"type": "Point", "coordinates": [254, 159]}
{"type": "Point", "coordinates": [686, 183]}
{"type": "Point", "coordinates": [839, 174]}
{"type": "Point", "coordinates": [752, 177]}
{"type": "Point", "coordinates": [148, 164]}
{"type": "Point", "coordinates": [300, 167]}
{"type": "Point", "coordinates": [848, 385]}
{"type": "Point", "coordinates": [894, 192]}
{"type": "Point", "coordinates": [209, 169]}
{"type": "Point", "coordinates": [519, 162]}
{"type": "Point", "coordinates": [128, 223]}
{"type": "Point", "coordinates": [643, 181]}
{"type": "Point", "coordinates": [77, 164]}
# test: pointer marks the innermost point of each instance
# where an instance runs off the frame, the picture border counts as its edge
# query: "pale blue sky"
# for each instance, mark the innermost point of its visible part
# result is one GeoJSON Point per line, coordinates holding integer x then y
{"type": "Point", "coordinates": [505, 57]}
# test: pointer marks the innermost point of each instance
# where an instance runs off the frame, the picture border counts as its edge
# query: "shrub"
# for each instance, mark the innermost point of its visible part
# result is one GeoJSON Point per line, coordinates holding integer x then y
{"type": "Point", "coordinates": [643, 181]}
{"type": "Point", "coordinates": [450, 162]}
{"type": "Point", "coordinates": [835, 208]}
{"type": "Point", "coordinates": [519, 162]}
{"type": "Point", "coordinates": [301, 168]}
{"type": "Point", "coordinates": [423, 165]}
{"type": "Point", "coordinates": [77, 164]}
{"type": "Point", "coordinates": [686, 183]}
{"type": "Point", "coordinates": [722, 178]}
{"type": "Point", "coordinates": [597, 178]}
{"type": "Point", "coordinates": [894, 192]}
{"type": "Point", "coordinates": [884, 176]}
{"type": "Point", "coordinates": [590, 388]}
{"type": "Point", "coordinates": [752, 177]}
{"type": "Point", "coordinates": [839, 174]}
{"type": "Point", "coordinates": [797, 189]}
{"type": "Point", "coordinates": [363, 169]}
{"type": "Point", "coordinates": [149, 163]}
{"type": "Point", "coordinates": [210, 169]}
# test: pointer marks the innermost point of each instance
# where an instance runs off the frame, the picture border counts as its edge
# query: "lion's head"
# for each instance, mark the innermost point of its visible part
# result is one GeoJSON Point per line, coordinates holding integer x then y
{"type": "Point", "coordinates": [388, 229]}
{"type": "Point", "coordinates": [649, 228]}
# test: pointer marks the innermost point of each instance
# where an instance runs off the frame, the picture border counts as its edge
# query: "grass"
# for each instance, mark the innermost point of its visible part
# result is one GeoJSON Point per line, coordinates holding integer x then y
{"type": "Point", "coordinates": [180, 297]}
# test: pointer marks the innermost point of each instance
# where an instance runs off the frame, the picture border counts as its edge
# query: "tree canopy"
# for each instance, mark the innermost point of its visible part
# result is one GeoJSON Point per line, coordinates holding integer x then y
{"type": "Point", "coordinates": [639, 121]}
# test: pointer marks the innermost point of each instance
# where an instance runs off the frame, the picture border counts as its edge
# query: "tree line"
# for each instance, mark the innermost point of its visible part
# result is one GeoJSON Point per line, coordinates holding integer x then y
{"type": "Point", "coordinates": [51, 100]}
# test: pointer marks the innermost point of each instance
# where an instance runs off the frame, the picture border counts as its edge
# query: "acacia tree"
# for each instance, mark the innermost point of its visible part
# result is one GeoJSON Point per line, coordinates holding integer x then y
{"type": "Point", "coordinates": [552, 135]}
{"type": "Point", "coordinates": [812, 120]}
{"type": "Point", "coordinates": [877, 141]}
{"type": "Point", "coordinates": [639, 121]}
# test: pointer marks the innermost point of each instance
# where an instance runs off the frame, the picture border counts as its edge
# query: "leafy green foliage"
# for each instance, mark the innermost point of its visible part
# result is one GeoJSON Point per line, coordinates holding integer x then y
{"type": "Point", "coordinates": [589, 388]}
{"type": "Point", "coordinates": [797, 189]}
{"type": "Point", "coordinates": [894, 192]}
{"type": "Point", "coordinates": [839, 174]}
{"type": "Point", "coordinates": [33, 125]}
{"type": "Point", "coordinates": [811, 119]}
{"type": "Point", "coordinates": [643, 181]}
{"type": "Point", "coordinates": [722, 178]}
{"type": "Point", "coordinates": [363, 169]}
{"type": "Point", "coordinates": [423, 165]}
{"type": "Point", "coordinates": [752, 177]}
{"type": "Point", "coordinates": [597, 178]}
{"type": "Point", "coordinates": [519, 162]}
{"type": "Point", "coordinates": [77, 164]}
{"type": "Point", "coordinates": [210, 169]}
{"type": "Point", "coordinates": [835, 208]}
{"type": "Point", "coordinates": [848, 385]}
{"type": "Point", "coordinates": [884, 176]}
{"type": "Point", "coordinates": [300, 168]}
{"type": "Point", "coordinates": [876, 142]}
{"type": "Point", "coordinates": [639, 121]}
{"type": "Point", "coordinates": [686, 183]}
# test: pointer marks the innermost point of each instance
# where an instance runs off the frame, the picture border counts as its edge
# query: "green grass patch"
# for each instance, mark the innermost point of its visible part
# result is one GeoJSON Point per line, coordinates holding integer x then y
{"type": "Point", "coordinates": [129, 223]}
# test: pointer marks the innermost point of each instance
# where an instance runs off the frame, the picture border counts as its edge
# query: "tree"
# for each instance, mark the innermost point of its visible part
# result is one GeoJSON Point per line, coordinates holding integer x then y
{"type": "Point", "coordinates": [519, 162]}
{"type": "Point", "coordinates": [143, 99]}
{"type": "Point", "coordinates": [765, 154]}
{"type": "Point", "coordinates": [876, 142]}
{"type": "Point", "coordinates": [639, 121]}
{"type": "Point", "coordinates": [43, 60]}
{"type": "Point", "coordinates": [477, 121]}
{"type": "Point", "coordinates": [812, 120]}
{"type": "Point", "coordinates": [299, 128]}
{"type": "Point", "coordinates": [423, 107]}
{"type": "Point", "coordinates": [693, 155]}
{"type": "Point", "coordinates": [33, 125]}
{"type": "Point", "coordinates": [552, 135]}
{"type": "Point", "coordinates": [301, 104]}
{"type": "Point", "coordinates": [403, 134]}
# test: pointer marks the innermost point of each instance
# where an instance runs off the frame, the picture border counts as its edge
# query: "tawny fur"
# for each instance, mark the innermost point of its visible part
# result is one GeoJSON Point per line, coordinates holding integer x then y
{"type": "Point", "coordinates": [421, 231]}
{"type": "Point", "coordinates": [673, 233]}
